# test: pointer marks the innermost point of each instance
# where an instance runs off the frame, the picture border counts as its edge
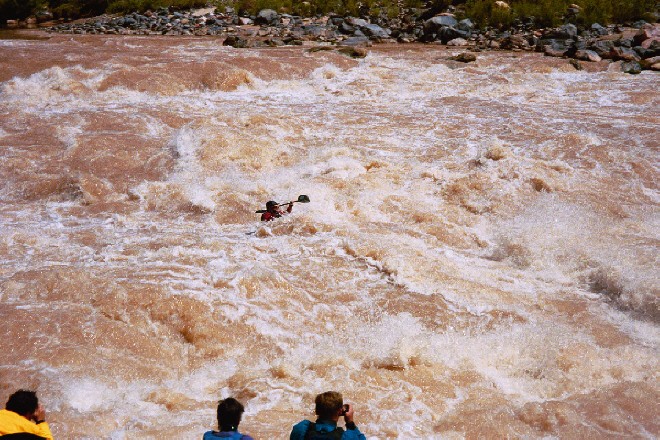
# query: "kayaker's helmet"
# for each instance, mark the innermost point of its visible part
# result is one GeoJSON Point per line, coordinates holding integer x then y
{"type": "Point", "coordinates": [271, 204]}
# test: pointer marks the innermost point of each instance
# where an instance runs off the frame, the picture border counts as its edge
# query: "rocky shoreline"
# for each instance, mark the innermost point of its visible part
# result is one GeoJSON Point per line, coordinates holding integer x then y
{"type": "Point", "coordinates": [636, 48]}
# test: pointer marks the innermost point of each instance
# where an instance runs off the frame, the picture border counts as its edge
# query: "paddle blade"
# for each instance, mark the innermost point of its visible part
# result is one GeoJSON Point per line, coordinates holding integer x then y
{"type": "Point", "coordinates": [303, 199]}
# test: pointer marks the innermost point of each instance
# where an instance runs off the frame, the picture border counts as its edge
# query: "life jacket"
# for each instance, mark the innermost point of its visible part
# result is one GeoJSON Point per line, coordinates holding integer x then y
{"type": "Point", "coordinates": [313, 434]}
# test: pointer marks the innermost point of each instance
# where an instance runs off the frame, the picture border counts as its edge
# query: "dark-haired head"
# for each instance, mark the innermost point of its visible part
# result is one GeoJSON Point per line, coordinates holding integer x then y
{"type": "Point", "coordinates": [23, 402]}
{"type": "Point", "coordinates": [230, 411]}
{"type": "Point", "coordinates": [328, 404]}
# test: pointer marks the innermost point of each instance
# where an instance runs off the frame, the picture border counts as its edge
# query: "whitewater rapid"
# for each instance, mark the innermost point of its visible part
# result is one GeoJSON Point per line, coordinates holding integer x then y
{"type": "Point", "coordinates": [478, 260]}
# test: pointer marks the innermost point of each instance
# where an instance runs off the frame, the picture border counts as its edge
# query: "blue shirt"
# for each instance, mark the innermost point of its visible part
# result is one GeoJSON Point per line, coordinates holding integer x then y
{"type": "Point", "coordinates": [299, 430]}
{"type": "Point", "coordinates": [234, 435]}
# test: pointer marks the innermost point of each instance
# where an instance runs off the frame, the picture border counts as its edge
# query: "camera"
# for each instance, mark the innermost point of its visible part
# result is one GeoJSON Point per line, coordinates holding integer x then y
{"type": "Point", "coordinates": [344, 410]}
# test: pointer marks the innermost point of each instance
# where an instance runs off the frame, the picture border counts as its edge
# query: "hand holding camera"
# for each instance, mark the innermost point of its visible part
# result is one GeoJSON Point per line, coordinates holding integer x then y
{"type": "Point", "coordinates": [347, 412]}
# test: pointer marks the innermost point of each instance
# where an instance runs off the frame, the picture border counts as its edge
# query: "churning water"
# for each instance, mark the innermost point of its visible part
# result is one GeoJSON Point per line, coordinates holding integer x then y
{"type": "Point", "coordinates": [479, 258]}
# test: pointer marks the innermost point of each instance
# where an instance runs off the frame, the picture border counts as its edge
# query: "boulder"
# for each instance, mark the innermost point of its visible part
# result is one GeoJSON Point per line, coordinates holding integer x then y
{"type": "Point", "coordinates": [353, 51]}
{"type": "Point", "coordinates": [346, 28]}
{"type": "Point", "coordinates": [465, 25]}
{"type": "Point", "coordinates": [649, 62]}
{"type": "Point", "coordinates": [598, 29]}
{"type": "Point", "coordinates": [587, 55]}
{"type": "Point", "coordinates": [602, 48]}
{"type": "Point", "coordinates": [514, 42]}
{"type": "Point", "coordinates": [651, 43]}
{"type": "Point", "coordinates": [632, 67]}
{"type": "Point", "coordinates": [356, 41]}
{"type": "Point", "coordinates": [235, 41]}
{"type": "Point", "coordinates": [565, 32]}
{"type": "Point", "coordinates": [553, 51]}
{"type": "Point", "coordinates": [439, 21]}
{"type": "Point", "coordinates": [267, 17]}
{"type": "Point", "coordinates": [575, 63]}
{"type": "Point", "coordinates": [356, 22]}
{"type": "Point", "coordinates": [624, 53]}
{"type": "Point", "coordinates": [464, 57]}
{"type": "Point", "coordinates": [457, 42]}
{"type": "Point", "coordinates": [373, 30]}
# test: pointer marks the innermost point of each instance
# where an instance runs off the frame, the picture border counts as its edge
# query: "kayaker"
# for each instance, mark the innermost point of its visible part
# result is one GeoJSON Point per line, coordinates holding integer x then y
{"type": "Point", "coordinates": [274, 211]}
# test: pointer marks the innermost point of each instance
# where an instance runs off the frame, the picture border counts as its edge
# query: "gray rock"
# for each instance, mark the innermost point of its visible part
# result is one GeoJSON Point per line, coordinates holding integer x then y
{"type": "Point", "coordinates": [649, 62]}
{"type": "Point", "coordinates": [632, 67]}
{"type": "Point", "coordinates": [565, 32]}
{"type": "Point", "coordinates": [457, 42]}
{"type": "Point", "coordinates": [550, 50]}
{"type": "Point", "coordinates": [587, 55]}
{"type": "Point", "coordinates": [346, 28]}
{"type": "Point", "coordinates": [575, 63]}
{"type": "Point", "coordinates": [441, 20]}
{"type": "Point", "coordinates": [356, 41]}
{"type": "Point", "coordinates": [602, 48]}
{"type": "Point", "coordinates": [373, 30]}
{"type": "Point", "coordinates": [465, 25]}
{"type": "Point", "coordinates": [267, 16]}
{"type": "Point", "coordinates": [356, 22]}
{"type": "Point", "coordinates": [624, 53]}
{"type": "Point", "coordinates": [235, 41]}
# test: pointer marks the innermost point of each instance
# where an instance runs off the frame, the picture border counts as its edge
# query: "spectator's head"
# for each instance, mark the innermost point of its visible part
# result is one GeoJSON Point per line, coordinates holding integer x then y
{"type": "Point", "coordinates": [230, 411]}
{"type": "Point", "coordinates": [23, 402]}
{"type": "Point", "coordinates": [328, 405]}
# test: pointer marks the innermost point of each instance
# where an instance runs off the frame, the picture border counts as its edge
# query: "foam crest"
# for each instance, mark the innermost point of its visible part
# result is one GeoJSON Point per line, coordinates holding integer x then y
{"type": "Point", "coordinates": [567, 241]}
{"type": "Point", "coordinates": [51, 85]}
{"type": "Point", "coordinates": [393, 343]}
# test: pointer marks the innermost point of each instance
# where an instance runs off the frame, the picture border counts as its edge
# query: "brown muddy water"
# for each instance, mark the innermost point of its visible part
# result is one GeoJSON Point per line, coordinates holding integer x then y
{"type": "Point", "coordinates": [479, 258]}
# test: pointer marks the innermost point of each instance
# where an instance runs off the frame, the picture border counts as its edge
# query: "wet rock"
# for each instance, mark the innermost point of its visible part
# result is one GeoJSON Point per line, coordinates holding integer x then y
{"type": "Point", "coordinates": [587, 55]}
{"type": "Point", "coordinates": [235, 41]}
{"type": "Point", "coordinates": [575, 63]}
{"type": "Point", "coordinates": [632, 67]}
{"type": "Point", "coordinates": [353, 51]}
{"type": "Point", "coordinates": [464, 57]}
{"type": "Point", "coordinates": [624, 53]}
{"type": "Point", "coordinates": [12, 24]}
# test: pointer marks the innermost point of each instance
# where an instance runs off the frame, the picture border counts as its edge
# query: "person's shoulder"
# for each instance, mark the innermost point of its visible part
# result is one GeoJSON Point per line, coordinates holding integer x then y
{"type": "Point", "coordinates": [304, 423]}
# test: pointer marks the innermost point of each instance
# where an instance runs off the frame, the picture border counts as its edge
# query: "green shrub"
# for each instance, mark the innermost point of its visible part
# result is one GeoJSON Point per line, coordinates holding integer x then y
{"type": "Point", "coordinates": [484, 13]}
